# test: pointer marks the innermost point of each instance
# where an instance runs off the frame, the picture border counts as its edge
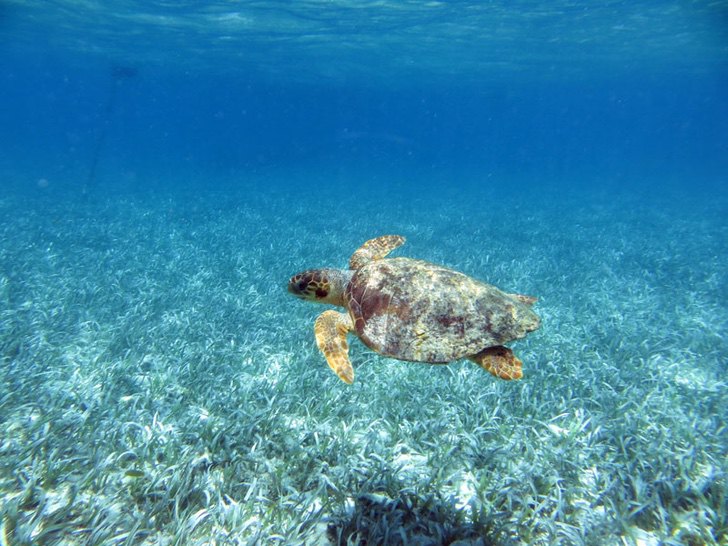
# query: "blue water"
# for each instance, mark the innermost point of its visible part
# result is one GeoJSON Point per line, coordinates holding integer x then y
{"type": "Point", "coordinates": [166, 166]}
{"type": "Point", "coordinates": [620, 93]}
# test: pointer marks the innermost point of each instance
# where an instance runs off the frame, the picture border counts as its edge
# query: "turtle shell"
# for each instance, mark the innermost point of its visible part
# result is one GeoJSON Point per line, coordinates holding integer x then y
{"type": "Point", "coordinates": [414, 310]}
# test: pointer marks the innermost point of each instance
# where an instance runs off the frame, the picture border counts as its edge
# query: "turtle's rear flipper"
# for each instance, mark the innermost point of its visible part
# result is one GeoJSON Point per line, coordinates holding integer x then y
{"type": "Point", "coordinates": [500, 361]}
{"type": "Point", "coordinates": [331, 329]}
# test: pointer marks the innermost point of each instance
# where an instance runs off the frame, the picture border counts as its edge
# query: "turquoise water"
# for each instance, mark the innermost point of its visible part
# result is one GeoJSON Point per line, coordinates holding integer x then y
{"type": "Point", "coordinates": [166, 167]}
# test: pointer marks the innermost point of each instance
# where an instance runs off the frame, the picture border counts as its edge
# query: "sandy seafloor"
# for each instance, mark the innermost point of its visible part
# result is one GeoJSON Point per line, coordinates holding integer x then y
{"type": "Point", "coordinates": [159, 386]}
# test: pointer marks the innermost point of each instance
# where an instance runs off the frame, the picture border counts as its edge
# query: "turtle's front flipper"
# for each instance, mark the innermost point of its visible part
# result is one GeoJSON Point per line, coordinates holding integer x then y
{"type": "Point", "coordinates": [375, 249]}
{"type": "Point", "coordinates": [500, 361]}
{"type": "Point", "coordinates": [331, 329]}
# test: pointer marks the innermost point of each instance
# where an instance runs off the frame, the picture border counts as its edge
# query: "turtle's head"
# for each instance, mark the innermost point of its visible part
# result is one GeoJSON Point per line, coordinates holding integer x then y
{"type": "Point", "coordinates": [321, 285]}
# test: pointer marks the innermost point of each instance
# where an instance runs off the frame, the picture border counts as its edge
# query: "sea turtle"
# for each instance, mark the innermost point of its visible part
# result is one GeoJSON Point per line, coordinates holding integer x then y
{"type": "Point", "coordinates": [414, 310]}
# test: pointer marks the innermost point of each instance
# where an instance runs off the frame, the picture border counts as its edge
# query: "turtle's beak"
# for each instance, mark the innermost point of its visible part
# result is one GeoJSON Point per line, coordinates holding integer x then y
{"type": "Point", "coordinates": [292, 288]}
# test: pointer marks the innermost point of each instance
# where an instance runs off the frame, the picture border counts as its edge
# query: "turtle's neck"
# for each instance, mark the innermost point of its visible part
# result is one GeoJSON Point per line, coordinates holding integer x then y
{"type": "Point", "coordinates": [338, 279]}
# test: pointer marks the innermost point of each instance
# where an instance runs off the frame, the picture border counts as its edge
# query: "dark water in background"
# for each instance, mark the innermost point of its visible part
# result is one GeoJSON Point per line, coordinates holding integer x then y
{"type": "Point", "coordinates": [572, 95]}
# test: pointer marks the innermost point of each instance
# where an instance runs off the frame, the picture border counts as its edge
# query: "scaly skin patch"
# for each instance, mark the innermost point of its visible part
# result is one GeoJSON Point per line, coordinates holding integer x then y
{"type": "Point", "coordinates": [330, 330]}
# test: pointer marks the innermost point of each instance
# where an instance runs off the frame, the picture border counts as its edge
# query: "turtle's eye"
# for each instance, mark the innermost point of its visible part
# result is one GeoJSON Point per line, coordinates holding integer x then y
{"type": "Point", "coordinates": [300, 285]}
